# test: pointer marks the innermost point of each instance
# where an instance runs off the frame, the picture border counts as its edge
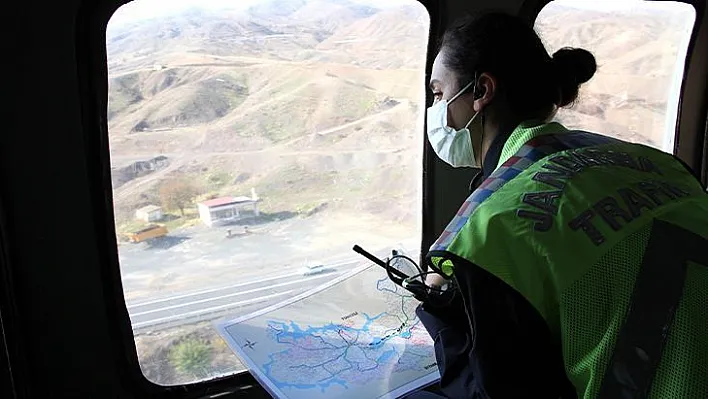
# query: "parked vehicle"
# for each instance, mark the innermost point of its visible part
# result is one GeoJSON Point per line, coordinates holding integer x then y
{"type": "Point", "coordinates": [148, 233]}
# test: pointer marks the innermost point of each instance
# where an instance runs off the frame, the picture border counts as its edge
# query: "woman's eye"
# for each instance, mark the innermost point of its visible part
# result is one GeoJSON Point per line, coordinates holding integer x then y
{"type": "Point", "coordinates": [437, 96]}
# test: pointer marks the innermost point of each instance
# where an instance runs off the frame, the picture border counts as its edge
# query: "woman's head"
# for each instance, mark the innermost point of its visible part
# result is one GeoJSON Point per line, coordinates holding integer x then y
{"type": "Point", "coordinates": [516, 77]}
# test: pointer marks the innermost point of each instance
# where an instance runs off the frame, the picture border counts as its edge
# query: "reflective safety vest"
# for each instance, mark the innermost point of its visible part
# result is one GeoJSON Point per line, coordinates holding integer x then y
{"type": "Point", "coordinates": [607, 240]}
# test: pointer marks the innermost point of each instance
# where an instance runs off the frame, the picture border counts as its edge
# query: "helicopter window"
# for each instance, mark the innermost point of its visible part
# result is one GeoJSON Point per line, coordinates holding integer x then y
{"type": "Point", "coordinates": [250, 146]}
{"type": "Point", "coordinates": [640, 47]}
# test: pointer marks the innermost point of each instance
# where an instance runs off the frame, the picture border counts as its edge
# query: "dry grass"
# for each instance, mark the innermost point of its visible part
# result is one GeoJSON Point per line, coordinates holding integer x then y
{"type": "Point", "coordinates": [309, 132]}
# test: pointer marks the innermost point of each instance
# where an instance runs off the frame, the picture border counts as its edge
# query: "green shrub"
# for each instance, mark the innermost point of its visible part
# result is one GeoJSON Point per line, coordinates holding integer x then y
{"type": "Point", "coordinates": [191, 356]}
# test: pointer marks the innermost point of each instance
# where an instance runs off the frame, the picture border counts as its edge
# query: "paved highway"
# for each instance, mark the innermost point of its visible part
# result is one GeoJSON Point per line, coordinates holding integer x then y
{"type": "Point", "coordinates": [232, 300]}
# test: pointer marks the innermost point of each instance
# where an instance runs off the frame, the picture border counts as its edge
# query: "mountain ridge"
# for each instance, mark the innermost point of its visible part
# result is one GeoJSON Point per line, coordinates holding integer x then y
{"type": "Point", "coordinates": [260, 94]}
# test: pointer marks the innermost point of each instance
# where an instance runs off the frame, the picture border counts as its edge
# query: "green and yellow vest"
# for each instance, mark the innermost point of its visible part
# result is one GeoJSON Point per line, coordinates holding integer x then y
{"type": "Point", "coordinates": [566, 219]}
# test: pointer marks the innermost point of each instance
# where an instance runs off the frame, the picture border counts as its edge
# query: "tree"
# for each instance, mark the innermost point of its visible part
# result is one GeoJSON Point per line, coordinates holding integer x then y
{"type": "Point", "coordinates": [177, 194]}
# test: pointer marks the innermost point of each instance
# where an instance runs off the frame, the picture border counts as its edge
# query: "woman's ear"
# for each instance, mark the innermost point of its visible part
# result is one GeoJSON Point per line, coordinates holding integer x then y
{"type": "Point", "coordinates": [485, 91]}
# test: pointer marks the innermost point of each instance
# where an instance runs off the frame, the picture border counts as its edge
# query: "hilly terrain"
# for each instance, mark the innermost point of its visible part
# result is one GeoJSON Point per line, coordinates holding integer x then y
{"type": "Point", "coordinates": [637, 49]}
{"type": "Point", "coordinates": [271, 97]}
{"type": "Point", "coordinates": [317, 102]}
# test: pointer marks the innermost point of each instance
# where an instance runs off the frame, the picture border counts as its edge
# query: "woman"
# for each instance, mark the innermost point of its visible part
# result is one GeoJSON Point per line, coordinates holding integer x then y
{"type": "Point", "coordinates": [554, 258]}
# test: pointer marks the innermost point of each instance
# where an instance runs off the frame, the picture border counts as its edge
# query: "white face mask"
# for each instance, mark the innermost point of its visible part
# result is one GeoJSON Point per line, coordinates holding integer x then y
{"type": "Point", "coordinates": [452, 146]}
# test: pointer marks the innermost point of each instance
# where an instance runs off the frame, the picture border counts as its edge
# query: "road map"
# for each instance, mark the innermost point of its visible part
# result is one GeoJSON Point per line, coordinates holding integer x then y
{"type": "Point", "coordinates": [355, 337]}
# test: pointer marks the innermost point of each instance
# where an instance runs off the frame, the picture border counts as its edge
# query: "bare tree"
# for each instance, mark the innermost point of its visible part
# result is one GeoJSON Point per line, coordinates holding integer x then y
{"type": "Point", "coordinates": [177, 194]}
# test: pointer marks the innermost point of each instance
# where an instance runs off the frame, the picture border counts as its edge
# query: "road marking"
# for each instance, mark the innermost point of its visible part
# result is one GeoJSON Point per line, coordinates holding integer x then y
{"type": "Point", "coordinates": [209, 310]}
{"type": "Point", "coordinates": [134, 305]}
{"type": "Point", "coordinates": [181, 305]}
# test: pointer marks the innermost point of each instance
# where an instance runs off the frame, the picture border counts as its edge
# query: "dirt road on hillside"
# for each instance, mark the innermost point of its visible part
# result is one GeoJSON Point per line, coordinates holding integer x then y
{"type": "Point", "coordinates": [179, 159]}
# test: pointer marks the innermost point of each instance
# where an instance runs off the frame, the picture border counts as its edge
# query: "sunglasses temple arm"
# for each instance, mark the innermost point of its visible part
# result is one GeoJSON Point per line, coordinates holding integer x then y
{"type": "Point", "coordinates": [361, 251]}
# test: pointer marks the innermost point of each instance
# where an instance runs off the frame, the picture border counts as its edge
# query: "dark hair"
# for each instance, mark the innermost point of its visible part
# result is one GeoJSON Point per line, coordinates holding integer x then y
{"type": "Point", "coordinates": [509, 49]}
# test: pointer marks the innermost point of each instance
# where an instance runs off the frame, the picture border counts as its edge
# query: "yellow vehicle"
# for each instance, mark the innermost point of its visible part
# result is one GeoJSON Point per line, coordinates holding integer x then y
{"type": "Point", "coordinates": [150, 232]}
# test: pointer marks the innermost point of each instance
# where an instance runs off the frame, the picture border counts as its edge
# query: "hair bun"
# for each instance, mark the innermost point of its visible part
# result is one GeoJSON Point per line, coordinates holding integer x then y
{"type": "Point", "coordinates": [572, 67]}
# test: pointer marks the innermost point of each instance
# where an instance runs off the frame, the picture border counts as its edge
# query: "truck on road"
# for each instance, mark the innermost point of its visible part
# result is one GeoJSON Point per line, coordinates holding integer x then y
{"type": "Point", "coordinates": [148, 233]}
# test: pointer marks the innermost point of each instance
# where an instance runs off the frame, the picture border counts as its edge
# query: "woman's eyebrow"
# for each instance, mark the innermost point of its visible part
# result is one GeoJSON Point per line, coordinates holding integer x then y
{"type": "Point", "coordinates": [433, 83]}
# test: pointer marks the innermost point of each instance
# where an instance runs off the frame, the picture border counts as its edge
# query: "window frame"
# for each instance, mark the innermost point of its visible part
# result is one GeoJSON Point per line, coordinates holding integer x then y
{"type": "Point", "coordinates": [91, 60]}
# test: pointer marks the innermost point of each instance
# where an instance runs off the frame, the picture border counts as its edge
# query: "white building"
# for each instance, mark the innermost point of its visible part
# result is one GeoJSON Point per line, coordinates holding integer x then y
{"type": "Point", "coordinates": [228, 209]}
{"type": "Point", "coordinates": [150, 213]}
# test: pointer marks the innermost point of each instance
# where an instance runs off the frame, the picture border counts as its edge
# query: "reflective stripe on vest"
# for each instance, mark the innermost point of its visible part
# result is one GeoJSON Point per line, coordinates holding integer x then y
{"type": "Point", "coordinates": [531, 152]}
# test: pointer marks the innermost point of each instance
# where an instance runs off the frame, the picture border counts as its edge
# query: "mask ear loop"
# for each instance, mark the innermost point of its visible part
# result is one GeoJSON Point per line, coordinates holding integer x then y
{"type": "Point", "coordinates": [481, 113]}
{"type": "Point", "coordinates": [474, 97]}
{"type": "Point", "coordinates": [461, 92]}
{"type": "Point", "coordinates": [481, 139]}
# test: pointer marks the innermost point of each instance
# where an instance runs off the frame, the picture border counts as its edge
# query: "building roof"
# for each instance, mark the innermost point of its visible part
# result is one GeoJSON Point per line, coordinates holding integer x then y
{"type": "Point", "coordinates": [149, 208]}
{"type": "Point", "coordinates": [222, 201]}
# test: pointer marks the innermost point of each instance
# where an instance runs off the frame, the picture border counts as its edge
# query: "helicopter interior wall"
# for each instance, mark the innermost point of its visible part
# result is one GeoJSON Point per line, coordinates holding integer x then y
{"type": "Point", "coordinates": [65, 327]}
{"type": "Point", "coordinates": [692, 127]}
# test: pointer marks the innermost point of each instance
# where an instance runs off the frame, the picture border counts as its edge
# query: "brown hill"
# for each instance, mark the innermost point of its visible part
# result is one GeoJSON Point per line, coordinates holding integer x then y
{"type": "Point", "coordinates": [280, 30]}
{"type": "Point", "coordinates": [314, 107]}
{"type": "Point", "coordinates": [389, 39]}
{"type": "Point", "coordinates": [149, 100]}
{"type": "Point", "coordinates": [636, 50]}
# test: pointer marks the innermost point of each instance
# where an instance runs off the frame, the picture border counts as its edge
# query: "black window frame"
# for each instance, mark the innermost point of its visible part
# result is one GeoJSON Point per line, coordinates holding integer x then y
{"type": "Point", "coordinates": [91, 59]}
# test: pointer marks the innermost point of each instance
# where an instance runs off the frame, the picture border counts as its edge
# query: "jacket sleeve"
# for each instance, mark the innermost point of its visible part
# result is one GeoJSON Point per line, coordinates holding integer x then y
{"type": "Point", "coordinates": [503, 350]}
{"type": "Point", "coordinates": [452, 349]}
